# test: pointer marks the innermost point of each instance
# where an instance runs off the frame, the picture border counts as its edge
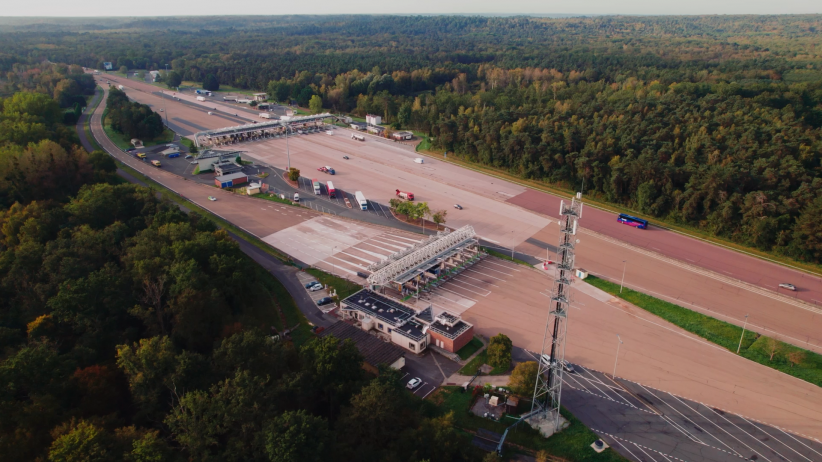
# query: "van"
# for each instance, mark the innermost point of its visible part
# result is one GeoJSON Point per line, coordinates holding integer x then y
{"type": "Point", "coordinates": [296, 197]}
{"type": "Point", "coordinates": [141, 155]}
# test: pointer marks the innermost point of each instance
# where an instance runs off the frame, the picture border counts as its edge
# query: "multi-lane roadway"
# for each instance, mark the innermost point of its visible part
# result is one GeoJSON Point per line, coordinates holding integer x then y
{"type": "Point", "coordinates": [660, 355]}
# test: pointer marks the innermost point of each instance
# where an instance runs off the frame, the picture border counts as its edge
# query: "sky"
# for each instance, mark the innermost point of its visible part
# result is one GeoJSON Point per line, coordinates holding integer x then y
{"type": "Point", "coordinates": [278, 7]}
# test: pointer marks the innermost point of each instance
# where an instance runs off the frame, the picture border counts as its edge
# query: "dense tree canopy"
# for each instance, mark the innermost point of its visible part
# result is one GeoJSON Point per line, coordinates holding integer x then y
{"type": "Point", "coordinates": [711, 122]}
{"type": "Point", "coordinates": [133, 119]}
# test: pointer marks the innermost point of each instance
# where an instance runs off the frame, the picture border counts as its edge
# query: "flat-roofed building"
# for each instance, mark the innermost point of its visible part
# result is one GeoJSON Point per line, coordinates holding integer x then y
{"type": "Point", "coordinates": [389, 316]}
{"type": "Point", "coordinates": [402, 135]}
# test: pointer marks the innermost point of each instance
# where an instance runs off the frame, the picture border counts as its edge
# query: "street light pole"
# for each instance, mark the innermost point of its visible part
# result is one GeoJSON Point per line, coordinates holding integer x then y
{"type": "Point", "coordinates": [624, 265]}
{"type": "Point", "coordinates": [617, 357]}
{"type": "Point", "coordinates": [165, 108]}
{"type": "Point", "coordinates": [512, 246]}
{"type": "Point", "coordinates": [287, 152]}
{"type": "Point", "coordinates": [743, 334]}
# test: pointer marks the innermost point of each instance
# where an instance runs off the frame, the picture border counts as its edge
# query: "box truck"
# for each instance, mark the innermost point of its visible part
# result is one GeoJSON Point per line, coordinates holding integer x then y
{"type": "Point", "coordinates": [201, 98]}
{"type": "Point", "coordinates": [317, 189]}
{"type": "Point", "coordinates": [332, 193]}
{"type": "Point", "coordinates": [358, 137]}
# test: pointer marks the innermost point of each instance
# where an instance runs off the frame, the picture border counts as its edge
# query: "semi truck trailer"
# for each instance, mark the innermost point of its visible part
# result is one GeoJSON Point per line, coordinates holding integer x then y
{"type": "Point", "coordinates": [332, 193]}
{"type": "Point", "coordinates": [361, 200]}
{"type": "Point", "coordinates": [317, 189]}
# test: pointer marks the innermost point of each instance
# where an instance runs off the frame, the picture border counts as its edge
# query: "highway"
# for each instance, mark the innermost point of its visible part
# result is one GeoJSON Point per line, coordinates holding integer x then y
{"type": "Point", "coordinates": [659, 354]}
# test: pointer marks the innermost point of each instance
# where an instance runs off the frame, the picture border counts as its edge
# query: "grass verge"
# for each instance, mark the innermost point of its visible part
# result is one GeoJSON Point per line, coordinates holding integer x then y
{"type": "Point", "coordinates": [470, 348]}
{"type": "Point", "coordinates": [274, 198]}
{"type": "Point", "coordinates": [192, 148]}
{"type": "Point", "coordinates": [124, 142]}
{"type": "Point", "coordinates": [791, 360]}
{"type": "Point", "coordinates": [610, 207]}
{"type": "Point", "coordinates": [479, 360]}
{"type": "Point", "coordinates": [343, 287]}
{"type": "Point", "coordinates": [505, 256]}
{"type": "Point", "coordinates": [573, 443]}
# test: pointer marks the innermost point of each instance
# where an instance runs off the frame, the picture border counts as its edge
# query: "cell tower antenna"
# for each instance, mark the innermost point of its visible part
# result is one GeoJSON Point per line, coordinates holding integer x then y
{"type": "Point", "coordinates": [548, 387]}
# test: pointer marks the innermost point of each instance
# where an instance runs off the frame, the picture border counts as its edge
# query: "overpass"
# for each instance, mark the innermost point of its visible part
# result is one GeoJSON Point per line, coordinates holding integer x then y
{"type": "Point", "coordinates": [261, 130]}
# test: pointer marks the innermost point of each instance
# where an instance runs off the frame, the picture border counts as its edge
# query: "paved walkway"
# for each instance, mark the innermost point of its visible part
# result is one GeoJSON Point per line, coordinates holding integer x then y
{"type": "Point", "coordinates": [495, 380]}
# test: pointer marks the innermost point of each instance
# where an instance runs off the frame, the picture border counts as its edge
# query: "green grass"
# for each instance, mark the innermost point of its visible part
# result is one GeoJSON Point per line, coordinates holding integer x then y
{"type": "Point", "coordinates": [344, 287]}
{"type": "Point", "coordinates": [123, 141]}
{"type": "Point", "coordinates": [196, 170]}
{"type": "Point", "coordinates": [755, 347]}
{"type": "Point", "coordinates": [479, 360]}
{"type": "Point", "coordinates": [274, 198]}
{"type": "Point", "coordinates": [470, 348]}
{"type": "Point", "coordinates": [192, 148]}
{"type": "Point", "coordinates": [573, 443]}
{"type": "Point", "coordinates": [425, 144]}
{"type": "Point", "coordinates": [505, 256]}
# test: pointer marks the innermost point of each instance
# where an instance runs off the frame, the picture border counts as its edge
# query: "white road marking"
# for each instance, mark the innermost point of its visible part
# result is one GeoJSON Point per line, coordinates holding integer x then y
{"type": "Point", "coordinates": [717, 426]}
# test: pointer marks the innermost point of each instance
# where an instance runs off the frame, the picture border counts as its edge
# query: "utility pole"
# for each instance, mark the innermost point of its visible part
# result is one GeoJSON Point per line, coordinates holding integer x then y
{"type": "Point", "coordinates": [624, 265]}
{"type": "Point", "coordinates": [613, 376]}
{"type": "Point", "coordinates": [743, 334]}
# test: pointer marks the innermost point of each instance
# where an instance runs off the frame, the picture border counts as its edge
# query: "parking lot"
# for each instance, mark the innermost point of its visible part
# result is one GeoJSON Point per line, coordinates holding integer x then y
{"type": "Point", "coordinates": [315, 295]}
{"type": "Point", "coordinates": [650, 425]}
{"type": "Point", "coordinates": [307, 188]}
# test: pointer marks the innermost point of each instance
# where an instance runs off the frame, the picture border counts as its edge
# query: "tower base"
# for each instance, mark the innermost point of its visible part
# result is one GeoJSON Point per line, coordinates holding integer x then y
{"type": "Point", "coordinates": [544, 422]}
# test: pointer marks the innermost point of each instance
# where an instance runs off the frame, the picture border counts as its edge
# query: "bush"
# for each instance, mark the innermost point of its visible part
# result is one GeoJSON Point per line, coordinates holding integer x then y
{"type": "Point", "coordinates": [294, 174]}
{"type": "Point", "coordinates": [499, 351]}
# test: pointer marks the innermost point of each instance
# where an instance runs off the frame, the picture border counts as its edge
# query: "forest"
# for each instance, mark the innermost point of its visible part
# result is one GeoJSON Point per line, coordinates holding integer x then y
{"type": "Point", "coordinates": [132, 331]}
{"type": "Point", "coordinates": [709, 122]}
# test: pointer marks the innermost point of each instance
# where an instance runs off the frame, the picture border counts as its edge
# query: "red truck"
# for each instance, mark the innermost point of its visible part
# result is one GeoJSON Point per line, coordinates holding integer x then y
{"type": "Point", "coordinates": [405, 195]}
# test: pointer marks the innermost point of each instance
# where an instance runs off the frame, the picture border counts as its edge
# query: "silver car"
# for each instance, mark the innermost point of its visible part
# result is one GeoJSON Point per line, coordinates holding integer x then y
{"type": "Point", "coordinates": [785, 285]}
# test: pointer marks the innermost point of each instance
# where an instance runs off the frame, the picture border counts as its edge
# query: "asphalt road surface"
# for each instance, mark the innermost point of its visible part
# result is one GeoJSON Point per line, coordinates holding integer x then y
{"type": "Point", "coordinates": [649, 425]}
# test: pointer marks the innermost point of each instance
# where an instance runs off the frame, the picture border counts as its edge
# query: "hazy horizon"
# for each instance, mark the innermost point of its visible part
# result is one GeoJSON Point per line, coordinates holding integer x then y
{"type": "Point", "coordinates": [155, 8]}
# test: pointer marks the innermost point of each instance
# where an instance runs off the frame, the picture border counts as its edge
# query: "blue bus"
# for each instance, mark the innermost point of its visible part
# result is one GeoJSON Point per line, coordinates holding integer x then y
{"type": "Point", "coordinates": [632, 221]}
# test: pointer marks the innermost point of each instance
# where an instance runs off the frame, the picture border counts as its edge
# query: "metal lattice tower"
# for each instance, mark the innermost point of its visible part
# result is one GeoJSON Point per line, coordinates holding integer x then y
{"type": "Point", "coordinates": [548, 388]}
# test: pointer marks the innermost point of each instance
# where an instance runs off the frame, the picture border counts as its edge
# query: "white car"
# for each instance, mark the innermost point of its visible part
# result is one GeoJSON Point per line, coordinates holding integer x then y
{"type": "Point", "coordinates": [785, 285]}
{"type": "Point", "coordinates": [212, 198]}
{"type": "Point", "coordinates": [414, 383]}
{"type": "Point", "coordinates": [316, 287]}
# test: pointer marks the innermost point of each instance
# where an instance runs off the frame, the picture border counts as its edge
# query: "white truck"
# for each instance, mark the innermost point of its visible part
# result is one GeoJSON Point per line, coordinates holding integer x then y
{"type": "Point", "coordinates": [358, 137]}
{"type": "Point", "coordinates": [361, 200]}
{"type": "Point", "coordinates": [266, 115]}
{"type": "Point", "coordinates": [120, 87]}
{"type": "Point", "coordinates": [201, 98]}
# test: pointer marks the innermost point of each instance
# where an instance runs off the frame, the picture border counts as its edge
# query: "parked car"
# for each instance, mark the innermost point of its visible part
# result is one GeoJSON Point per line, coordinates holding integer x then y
{"type": "Point", "coordinates": [785, 285]}
{"type": "Point", "coordinates": [316, 287]}
{"type": "Point", "coordinates": [414, 383]}
{"type": "Point", "coordinates": [323, 169]}
{"type": "Point", "coordinates": [568, 367]}
{"type": "Point", "coordinates": [212, 198]}
{"type": "Point", "coordinates": [311, 284]}
{"type": "Point", "coordinates": [324, 301]}
{"type": "Point", "coordinates": [189, 156]}
{"type": "Point", "coordinates": [457, 206]}
{"type": "Point", "coordinates": [317, 329]}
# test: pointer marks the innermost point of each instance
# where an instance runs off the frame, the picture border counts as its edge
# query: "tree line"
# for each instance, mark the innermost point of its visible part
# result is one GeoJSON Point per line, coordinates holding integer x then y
{"type": "Point", "coordinates": [131, 118]}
